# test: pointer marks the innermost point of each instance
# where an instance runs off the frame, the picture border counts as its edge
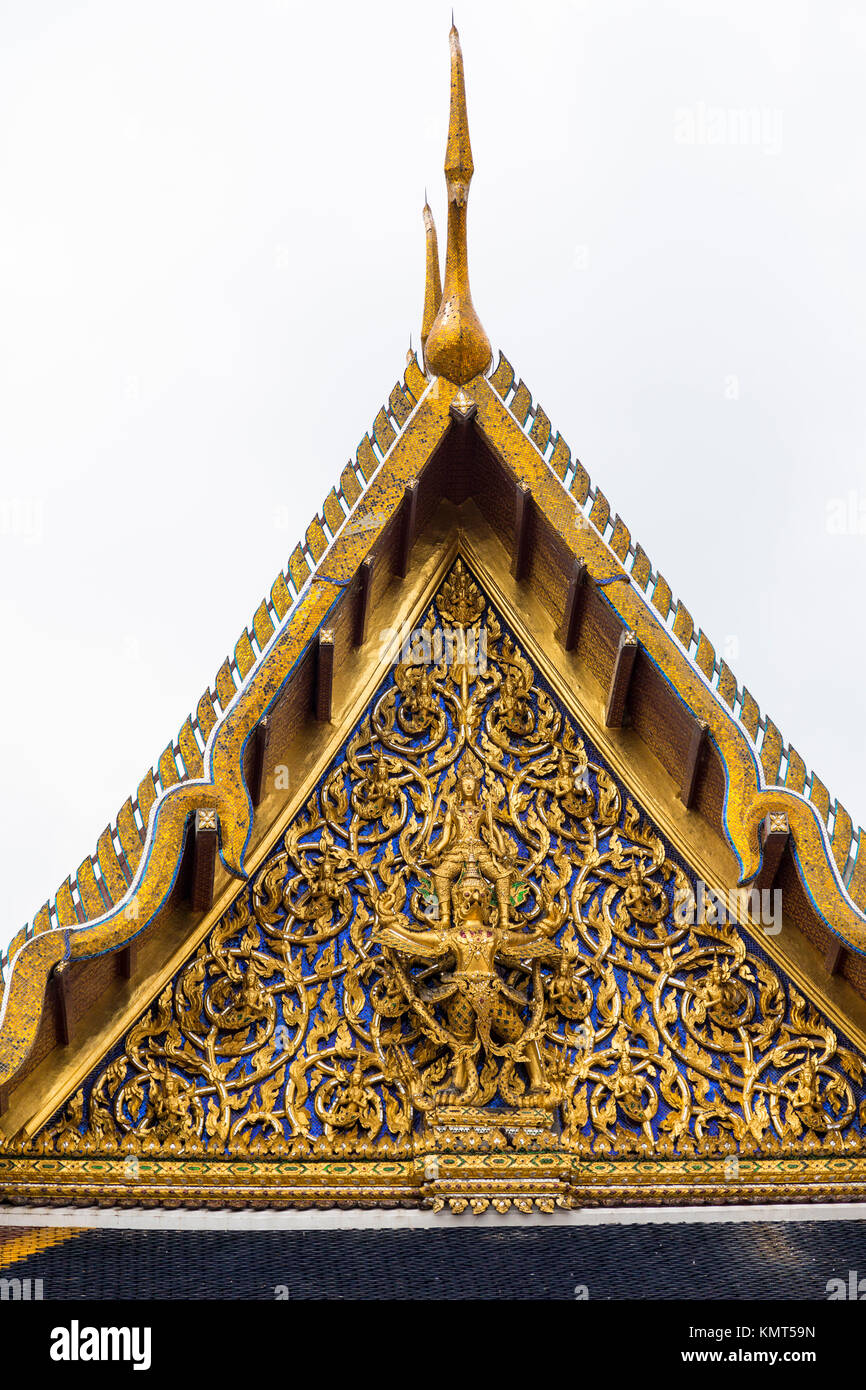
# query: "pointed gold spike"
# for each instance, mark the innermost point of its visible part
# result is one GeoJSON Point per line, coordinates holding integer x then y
{"type": "Point", "coordinates": [432, 282]}
{"type": "Point", "coordinates": [457, 347]}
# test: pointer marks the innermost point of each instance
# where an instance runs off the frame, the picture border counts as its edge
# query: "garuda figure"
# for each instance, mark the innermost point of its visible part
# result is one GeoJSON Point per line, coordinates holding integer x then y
{"type": "Point", "coordinates": [472, 857]}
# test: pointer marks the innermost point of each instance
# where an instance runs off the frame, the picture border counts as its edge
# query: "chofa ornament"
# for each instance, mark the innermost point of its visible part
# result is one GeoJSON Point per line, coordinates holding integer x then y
{"type": "Point", "coordinates": [469, 924]}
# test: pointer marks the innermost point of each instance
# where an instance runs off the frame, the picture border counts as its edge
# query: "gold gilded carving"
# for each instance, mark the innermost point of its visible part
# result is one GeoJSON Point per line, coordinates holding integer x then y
{"type": "Point", "coordinates": [472, 934]}
{"type": "Point", "coordinates": [472, 943]}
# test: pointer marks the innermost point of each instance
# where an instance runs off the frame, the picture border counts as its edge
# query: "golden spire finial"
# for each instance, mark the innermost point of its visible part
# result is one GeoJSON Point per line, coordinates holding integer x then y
{"type": "Point", "coordinates": [432, 281]}
{"type": "Point", "coordinates": [457, 346]}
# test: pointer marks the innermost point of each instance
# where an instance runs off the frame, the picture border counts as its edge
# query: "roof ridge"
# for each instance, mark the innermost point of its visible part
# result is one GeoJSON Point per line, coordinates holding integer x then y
{"type": "Point", "coordinates": [781, 763]}
{"type": "Point", "coordinates": [103, 877]}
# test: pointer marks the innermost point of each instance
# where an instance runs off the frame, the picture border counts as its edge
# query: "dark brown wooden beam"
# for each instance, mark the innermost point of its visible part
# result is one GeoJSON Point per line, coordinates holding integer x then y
{"type": "Point", "coordinates": [126, 961]}
{"type": "Point", "coordinates": [835, 956]}
{"type": "Point", "coordinates": [60, 976]}
{"type": "Point", "coordinates": [362, 609]}
{"type": "Point", "coordinates": [620, 679]}
{"type": "Point", "coordinates": [694, 762]}
{"type": "Point", "coordinates": [773, 833]}
{"type": "Point", "coordinates": [325, 676]}
{"type": "Point", "coordinates": [463, 448]}
{"type": "Point", "coordinates": [257, 767]}
{"type": "Point", "coordinates": [408, 522]}
{"type": "Point", "coordinates": [522, 526]}
{"type": "Point", "coordinates": [573, 605]}
{"type": "Point", "coordinates": [204, 853]}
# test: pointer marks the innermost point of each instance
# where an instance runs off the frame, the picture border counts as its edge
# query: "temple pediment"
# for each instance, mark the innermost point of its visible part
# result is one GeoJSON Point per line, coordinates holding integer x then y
{"type": "Point", "coordinates": [471, 968]}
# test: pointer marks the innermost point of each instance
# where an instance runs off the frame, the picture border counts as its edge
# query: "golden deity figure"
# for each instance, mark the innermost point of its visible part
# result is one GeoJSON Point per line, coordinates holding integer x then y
{"type": "Point", "coordinates": [479, 1005]}
{"type": "Point", "coordinates": [251, 1002]}
{"type": "Point", "coordinates": [325, 884]}
{"type": "Point", "coordinates": [806, 1100]}
{"type": "Point", "coordinates": [570, 785]}
{"type": "Point", "coordinates": [626, 1086]}
{"type": "Point", "coordinates": [375, 793]}
{"type": "Point", "coordinates": [644, 900]}
{"type": "Point", "coordinates": [563, 779]}
{"type": "Point", "coordinates": [470, 837]}
{"type": "Point", "coordinates": [718, 994]}
{"type": "Point", "coordinates": [348, 1099]}
{"type": "Point", "coordinates": [418, 706]}
{"type": "Point", "coordinates": [170, 1116]}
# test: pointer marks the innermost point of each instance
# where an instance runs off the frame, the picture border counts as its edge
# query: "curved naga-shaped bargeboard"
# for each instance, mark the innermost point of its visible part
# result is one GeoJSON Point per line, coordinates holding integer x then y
{"type": "Point", "coordinates": [470, 911]}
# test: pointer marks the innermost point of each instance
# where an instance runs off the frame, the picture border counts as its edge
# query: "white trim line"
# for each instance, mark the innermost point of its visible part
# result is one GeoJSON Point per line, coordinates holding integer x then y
{"type": "Point", "coordinates": [150, 1219]}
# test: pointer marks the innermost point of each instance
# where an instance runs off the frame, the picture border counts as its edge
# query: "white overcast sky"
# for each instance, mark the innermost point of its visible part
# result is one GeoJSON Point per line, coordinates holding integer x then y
{"type": "Point", "coordinates": [211, 259]}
